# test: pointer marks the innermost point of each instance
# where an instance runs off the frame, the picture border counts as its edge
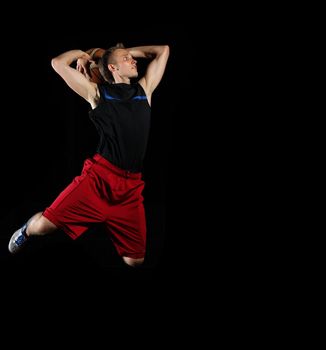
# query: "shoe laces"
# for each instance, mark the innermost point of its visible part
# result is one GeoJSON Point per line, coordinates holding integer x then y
{"type": "Point", "coordinates": [21, 238]}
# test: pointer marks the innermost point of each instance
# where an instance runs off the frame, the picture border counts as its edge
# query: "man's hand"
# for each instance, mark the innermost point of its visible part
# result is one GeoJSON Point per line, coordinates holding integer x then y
{"type": "Point", "coordinates": [83, 66]}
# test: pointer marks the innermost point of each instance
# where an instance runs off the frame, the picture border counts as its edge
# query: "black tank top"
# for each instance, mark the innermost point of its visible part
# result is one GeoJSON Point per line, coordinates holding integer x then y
{"type": "Point", "coordinates": [122, 120]}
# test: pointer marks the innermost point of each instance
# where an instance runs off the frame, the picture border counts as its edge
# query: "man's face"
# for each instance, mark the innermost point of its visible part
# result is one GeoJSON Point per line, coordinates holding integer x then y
{"type": "Point", "coordinates": [124, 62]}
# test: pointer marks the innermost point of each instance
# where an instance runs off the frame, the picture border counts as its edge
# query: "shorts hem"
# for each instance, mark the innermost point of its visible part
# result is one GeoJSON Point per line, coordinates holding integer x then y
{"type": "Point", "coordinates": [50, 216]}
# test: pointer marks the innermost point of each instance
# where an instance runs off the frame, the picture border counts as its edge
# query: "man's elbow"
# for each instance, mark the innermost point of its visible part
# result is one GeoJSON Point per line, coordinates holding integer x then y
{"type": "Point", "coordinates": [166, 49]}
{"type": "Point", "coordinates": [55, 63]}
{"type": "Point", "coordinates": [58, 64]}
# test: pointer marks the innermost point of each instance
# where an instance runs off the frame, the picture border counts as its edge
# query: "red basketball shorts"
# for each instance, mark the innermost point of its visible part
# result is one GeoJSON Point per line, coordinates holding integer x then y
{"type": "Point", "coordinates": [103, 193]}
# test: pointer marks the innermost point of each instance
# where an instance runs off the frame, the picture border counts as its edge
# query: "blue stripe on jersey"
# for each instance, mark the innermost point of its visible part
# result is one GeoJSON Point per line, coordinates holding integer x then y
{"type": "Point", "coordinates": [109, 97]}
{"type": "Point", "coordinates": [139, 98]}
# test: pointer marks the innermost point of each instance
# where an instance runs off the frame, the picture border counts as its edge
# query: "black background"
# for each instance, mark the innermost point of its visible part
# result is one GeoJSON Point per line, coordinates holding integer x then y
{"type": "Point", "coordinates": [212, 214]}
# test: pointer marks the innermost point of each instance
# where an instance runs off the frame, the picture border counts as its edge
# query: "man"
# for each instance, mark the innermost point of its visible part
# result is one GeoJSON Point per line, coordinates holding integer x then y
{"type": "Point", "coordinates": [109, 189]}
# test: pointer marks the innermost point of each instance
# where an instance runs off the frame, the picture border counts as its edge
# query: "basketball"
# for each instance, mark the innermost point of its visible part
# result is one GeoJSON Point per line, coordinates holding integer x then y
{"type": "Point", "coordinates": [95, 75]}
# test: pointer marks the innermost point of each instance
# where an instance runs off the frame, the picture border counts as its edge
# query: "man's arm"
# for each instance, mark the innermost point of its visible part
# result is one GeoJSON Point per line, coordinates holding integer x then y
{"type": "Point", "coordinates": [156, 67]}
{"type": "Point", "coordinates": [73, 78]}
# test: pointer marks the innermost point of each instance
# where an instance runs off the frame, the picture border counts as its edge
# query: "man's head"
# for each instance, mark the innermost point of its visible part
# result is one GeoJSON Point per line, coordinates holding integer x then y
{"type": "Point", "coordinates": [117, 62]}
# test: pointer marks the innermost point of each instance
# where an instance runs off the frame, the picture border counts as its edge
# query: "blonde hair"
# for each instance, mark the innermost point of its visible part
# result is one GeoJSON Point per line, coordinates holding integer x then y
{"type": "Point", "coordinates": [107, 59]}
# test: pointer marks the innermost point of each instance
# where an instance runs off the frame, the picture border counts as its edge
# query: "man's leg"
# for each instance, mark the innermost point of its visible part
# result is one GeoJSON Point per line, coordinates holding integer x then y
{"type": "Point", "coordinates": [133, 262]}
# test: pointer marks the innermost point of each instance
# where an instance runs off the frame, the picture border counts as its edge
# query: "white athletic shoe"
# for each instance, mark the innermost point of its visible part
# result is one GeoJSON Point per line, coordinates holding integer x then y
{"type": "Point", "coordinates": [18, 240]}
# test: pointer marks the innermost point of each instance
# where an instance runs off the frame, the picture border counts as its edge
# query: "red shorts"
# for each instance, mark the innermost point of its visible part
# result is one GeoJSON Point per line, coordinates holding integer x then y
{"type": "Point", "coordinates": [104, 193]}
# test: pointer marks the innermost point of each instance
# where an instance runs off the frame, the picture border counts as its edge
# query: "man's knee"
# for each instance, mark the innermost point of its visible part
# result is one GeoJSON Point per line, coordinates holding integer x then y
{"type": "Point", "coordinates": [133, 262]}
{"type": "Point", "coordinates": [39, 225]}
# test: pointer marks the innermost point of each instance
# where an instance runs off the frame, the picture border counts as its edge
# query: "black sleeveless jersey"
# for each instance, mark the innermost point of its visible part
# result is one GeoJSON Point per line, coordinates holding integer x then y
{"type": "Point", "coordinates": [122, 120]}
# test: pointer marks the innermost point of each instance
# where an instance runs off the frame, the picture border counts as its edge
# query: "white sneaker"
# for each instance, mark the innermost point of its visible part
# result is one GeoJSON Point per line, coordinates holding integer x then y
{"type": "Point", "coordinates": [18, 240]}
